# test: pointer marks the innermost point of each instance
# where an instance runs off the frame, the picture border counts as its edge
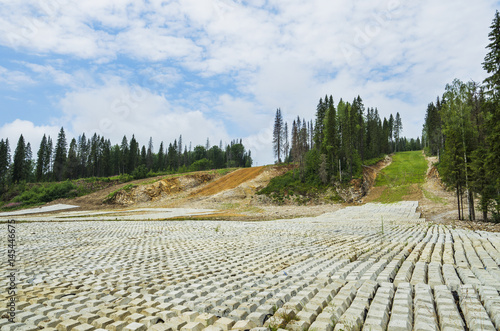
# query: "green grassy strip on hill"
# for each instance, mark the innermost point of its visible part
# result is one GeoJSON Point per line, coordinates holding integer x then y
{"type": "Point", "coordinates": [406, 169]}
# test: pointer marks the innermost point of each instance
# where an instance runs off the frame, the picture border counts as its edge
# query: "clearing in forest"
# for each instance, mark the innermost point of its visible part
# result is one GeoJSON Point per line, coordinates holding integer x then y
{"type": "Point", "coordinates": [402, 179]}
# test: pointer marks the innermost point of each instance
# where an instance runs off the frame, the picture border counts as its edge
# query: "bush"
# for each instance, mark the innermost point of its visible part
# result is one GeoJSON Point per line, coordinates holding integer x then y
{"type": "Point", "coordinates": [53, 191]}
{"type": "Point", "coordinates": [289, 186]}
{"type": "Point", "coordinates": [124, 178]}
{"type": "Point", "coordinates": [140, 172]}
{"type": "Point", "coordinates": [203, 164]}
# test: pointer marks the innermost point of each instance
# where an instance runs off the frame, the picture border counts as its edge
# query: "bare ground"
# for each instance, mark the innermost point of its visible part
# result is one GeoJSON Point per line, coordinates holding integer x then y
{"type": "Point", "coordinates": [234, 196]}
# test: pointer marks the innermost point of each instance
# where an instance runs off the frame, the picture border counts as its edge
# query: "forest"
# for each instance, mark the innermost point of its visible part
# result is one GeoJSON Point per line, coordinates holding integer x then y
{"type": "Point", "coordinates": [333, 149]}
{"type": "Point", "coordinates": [97, 157]}
{"type": "Point", "coordinates": [338, 143]}
{"type": "Point", "coordinates": [462, 127]}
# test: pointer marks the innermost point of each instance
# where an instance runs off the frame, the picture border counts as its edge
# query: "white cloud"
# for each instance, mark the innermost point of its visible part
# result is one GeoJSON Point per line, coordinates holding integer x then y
{"type": "Point", "coordinates": [57, 76]}
{"type": "Point", "coordinates": [31, 133]}
{"type": "Point", "coordinates": [14, 78]}
{"type": "Point", "coordinates": [397, 55]}
{"type": "Point", "coordinates": [117, 109]}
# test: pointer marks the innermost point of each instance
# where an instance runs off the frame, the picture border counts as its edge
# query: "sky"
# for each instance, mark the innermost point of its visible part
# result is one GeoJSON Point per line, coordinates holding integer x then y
{"type": "Point", "coordinates": [219, 69]}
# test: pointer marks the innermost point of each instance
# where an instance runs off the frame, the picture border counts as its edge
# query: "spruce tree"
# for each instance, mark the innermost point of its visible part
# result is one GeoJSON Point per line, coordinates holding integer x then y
{"type": "Point", "coordinates": [124, 156]}
{"type": "Point", "coordinates": [4, 163]}
{"type": "Point", "coordinates": [83, 155]}
{"type": "Point", "coordinates": [149, 154]}
{"type": "Point", "coordinates": [40, 162]}
{"type": "Point", "coordinates": [286, 144]}
{"type": "Point", "coordinates": [133, 157]}
{"type": "Point", "coordinates": [398, 129]}
{"type": "Point", "coordinates": [278, 135]}
{"type": "Point", "coordinates": [60, 155]}
{"type": "Point", "coordinates": [28, 163]}
{"type": "Point", "coordinates": [321, 110]}
{"type": "Point", "coordinates": [160, 162]}
{"type": "Point", "coordinates": [492, 60]}
{"type": "Point", "coordinates": [72, 161]}
{"type": "Point", "coordinates": [330, 145]}
{"type": "Point", "coordinates": [48, 158]}
{"type": "Point", "coordinates": [18, 166]}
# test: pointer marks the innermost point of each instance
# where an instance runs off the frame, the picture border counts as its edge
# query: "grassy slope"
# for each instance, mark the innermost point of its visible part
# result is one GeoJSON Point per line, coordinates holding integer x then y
{"type": "Point", "coordinates": [403, 177]}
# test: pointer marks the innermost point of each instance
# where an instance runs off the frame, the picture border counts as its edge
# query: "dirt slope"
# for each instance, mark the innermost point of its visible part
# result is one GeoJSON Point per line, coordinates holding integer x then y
{"type": "Point", "coordinates": [229, 181]}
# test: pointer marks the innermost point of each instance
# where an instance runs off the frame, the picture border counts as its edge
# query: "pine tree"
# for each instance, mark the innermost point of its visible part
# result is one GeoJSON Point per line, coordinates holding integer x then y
{"type": "Point", "coordinates": [398, 129]}
{"type": "Point", "coordinates": [278, 135]}
{"type": "Point", "coordinates": [48, 158]}
{"type": "Point", "coordinates": [286, 144]}
{"type": "Point", "coordinates": [18, 166]}
{"type": "Point", "coordinates": [107, 159]}
{"type": "Point", "coordinates": [28, 163]}
{"type": "Point", "coordinates": [144, 156]}
{"type": "Point", "coordinates": [330, 140]}
{"type": "Point", "coordinates": [83, 155]}
{"type": "Point", "coordinates": [295, 146]}
{"type": "Point", "coordinates": [4, 163]}
{"type": "Point", "coordinates": [60, 156]}
{"type": "Point", "coordinates": [124, 156]}
{"type": "Point", "coordinates": [94, 153]}
{"type": "Point", "coordinates": [160, 166]}
{"type": "Point", "coordinates": [321, 110]}
{"type": "Point", "coordinates": [133, 159]}
{"type": "Point", "coordinates": [391, 132]}
{"type": "Point", "coordinates": [492, 60]}
{"type": "Point", "coordinates": [40, 162]}
{"type": "Point", "coordinates": [72, 161]}
{"type": "Point", "coordinates": [149, 154]}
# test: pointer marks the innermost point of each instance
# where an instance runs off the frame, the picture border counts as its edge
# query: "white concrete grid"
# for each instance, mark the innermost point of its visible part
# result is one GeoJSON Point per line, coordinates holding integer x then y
{"type": "Point", "coordinates": [374, 267]}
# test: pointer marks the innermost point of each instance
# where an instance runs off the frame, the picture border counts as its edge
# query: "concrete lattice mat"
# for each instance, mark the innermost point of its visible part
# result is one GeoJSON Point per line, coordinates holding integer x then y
{"type": "Point", "coordinates": [375, 267]}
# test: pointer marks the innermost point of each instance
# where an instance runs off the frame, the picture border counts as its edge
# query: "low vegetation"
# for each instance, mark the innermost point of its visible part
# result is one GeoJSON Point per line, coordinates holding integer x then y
{"type": "Point", "coordinates": [24, 195]}
{"type": "Point", "coordinates": [403, 177]}
{"type": "Point", "coordinates": [406, 168]}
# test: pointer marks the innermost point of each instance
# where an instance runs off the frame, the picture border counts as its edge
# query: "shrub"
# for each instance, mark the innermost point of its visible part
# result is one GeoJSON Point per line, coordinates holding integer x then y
{"type": "Point", "coordinates": [202, 164]}
{"type": "Point", "coordinates": [140, 172]}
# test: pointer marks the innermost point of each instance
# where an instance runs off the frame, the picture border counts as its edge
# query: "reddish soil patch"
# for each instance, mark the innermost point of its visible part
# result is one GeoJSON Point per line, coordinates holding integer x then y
{"type": "Point", "coordinates": [229, 181]}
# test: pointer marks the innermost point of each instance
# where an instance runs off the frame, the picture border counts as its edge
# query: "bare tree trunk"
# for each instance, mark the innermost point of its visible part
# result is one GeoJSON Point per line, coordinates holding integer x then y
{"type": "Point", "coordinates": [458, 201]}
{"type": "Point", "coordinates": [462, 202]}
{"type": "Point", "coordinates": [472, 212]}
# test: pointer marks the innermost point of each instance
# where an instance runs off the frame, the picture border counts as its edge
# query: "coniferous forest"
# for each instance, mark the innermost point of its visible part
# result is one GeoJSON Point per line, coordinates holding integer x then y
{"type": "Point", "coordinates": [341, 139]}
{"type": "Point", "coordinates": [96, 157]}
{"type": "Point", "coordinates": [462, 128]}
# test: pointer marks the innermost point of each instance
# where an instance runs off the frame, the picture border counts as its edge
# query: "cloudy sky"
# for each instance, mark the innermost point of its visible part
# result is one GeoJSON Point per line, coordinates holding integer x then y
{"type": "Point", "coordinates": [220, 68]}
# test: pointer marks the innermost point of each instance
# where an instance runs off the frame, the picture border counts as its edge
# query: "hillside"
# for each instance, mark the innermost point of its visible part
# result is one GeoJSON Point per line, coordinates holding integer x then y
{"type": "Point", "coordinates": [231, 193]}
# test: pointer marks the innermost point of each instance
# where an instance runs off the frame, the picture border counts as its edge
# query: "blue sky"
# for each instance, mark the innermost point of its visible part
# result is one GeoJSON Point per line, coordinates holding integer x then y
{"type": "Point", "coordinates": [220, 68]}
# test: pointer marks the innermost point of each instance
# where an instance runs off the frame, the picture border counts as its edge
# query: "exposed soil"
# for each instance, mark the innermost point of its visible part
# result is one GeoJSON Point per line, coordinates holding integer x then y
{"type": "Point", "coordinates": [229, 181]}
{"type": "Point", "coordinates": [369, 176]}
{"type": "Point", "coordinates": [438, 204]}
{"type": "Point", "coordinates": [234, 195]}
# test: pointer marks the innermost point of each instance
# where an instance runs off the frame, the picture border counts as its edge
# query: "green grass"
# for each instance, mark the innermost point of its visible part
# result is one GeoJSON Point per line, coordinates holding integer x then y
{"type": "Point", "coordinates": [406, 168]}
{"type": "Point", "coordinates": [400, 177]}
{"type": "Point", "coordinates": [394, 194]}
{"type": "Point", "coordinates": [434, 197]}
{"type": "Point", "coordinates": [371, 162]}
{"type": "Point", "coordinates": [28, 195]}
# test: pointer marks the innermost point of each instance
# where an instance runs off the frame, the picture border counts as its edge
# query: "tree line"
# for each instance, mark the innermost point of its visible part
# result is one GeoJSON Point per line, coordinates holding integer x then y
{"type": "Point", "coordinates": [463, 129]}
{"type": "Point", "coordinates": [97, 157]}
{"type": "Point", "coordinates": [334, 146]}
